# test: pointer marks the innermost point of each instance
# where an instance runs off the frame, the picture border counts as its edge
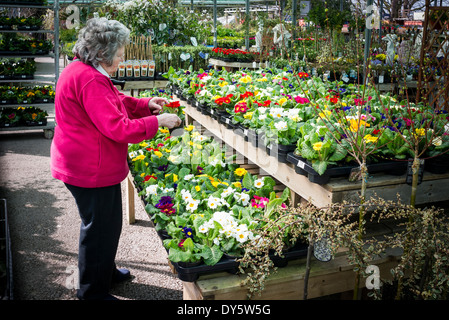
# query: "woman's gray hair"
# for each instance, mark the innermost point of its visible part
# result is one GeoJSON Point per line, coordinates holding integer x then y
{"type": "Point", "coordinates": [99, 41]}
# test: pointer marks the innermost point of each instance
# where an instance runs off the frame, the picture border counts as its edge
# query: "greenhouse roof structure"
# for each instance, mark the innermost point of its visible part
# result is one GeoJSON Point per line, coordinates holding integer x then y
{"type": "Point", "coordinates": [222, 3]}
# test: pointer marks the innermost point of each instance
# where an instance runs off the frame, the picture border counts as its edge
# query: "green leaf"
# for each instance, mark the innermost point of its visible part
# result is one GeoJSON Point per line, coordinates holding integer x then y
{"type": "Point", "coordinates": [212, 255]}
{"type": "Point", "coordinates": [319, 166]}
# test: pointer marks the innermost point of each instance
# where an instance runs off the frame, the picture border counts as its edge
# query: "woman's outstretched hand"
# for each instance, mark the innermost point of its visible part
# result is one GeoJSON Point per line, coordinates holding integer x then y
{"type": "Point", "coordinates": [156, 104]}
{"type": "Point", "coordinates": [169, 120]}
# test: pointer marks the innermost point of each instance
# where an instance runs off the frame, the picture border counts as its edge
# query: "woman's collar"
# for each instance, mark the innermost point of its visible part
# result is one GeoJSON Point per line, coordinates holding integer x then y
{"type": "Point", "coordinates": [102, 71]}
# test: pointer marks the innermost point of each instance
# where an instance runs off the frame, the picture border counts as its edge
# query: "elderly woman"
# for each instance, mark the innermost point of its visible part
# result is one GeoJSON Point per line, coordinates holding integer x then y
{"type": "Point", "coordinates": [95, 123]}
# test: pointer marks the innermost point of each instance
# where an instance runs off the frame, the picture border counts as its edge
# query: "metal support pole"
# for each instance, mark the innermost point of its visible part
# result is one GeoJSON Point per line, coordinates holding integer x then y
{"type": "Point", "coordinates": [368, 32]}
{"type": "Point", "coordinates": [247, 25]}
{"type": "Point", "coordinates": [295, 6]}
{"type": "Point", "coordinates": [215, 23]}
{"type": "Point", "coordinates": [381, 9]}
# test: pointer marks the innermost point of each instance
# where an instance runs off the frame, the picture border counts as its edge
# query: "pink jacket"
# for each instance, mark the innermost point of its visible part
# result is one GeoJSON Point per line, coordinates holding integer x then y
{"type": "Point", "coordinates": [94, 124]}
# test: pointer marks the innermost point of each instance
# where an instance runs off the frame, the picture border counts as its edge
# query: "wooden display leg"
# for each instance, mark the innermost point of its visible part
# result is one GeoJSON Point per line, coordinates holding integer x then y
{"type": "Point", "coordinates": [130, 209]}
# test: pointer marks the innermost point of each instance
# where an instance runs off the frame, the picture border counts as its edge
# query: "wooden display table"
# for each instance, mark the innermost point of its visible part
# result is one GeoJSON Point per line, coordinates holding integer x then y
{"type": "Point", "coordinates": [142, 85]}
{"type": "Point", "coordinates": [287, 283]}
{"type": "Point", "coordinates": [233, 65]}
{"type": "Point", "coordinates": [326, 278]}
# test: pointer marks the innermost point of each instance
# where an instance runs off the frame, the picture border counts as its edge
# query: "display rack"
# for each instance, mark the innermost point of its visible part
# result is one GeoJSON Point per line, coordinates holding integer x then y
{"type": "Point", "coordinates": [45, 77]}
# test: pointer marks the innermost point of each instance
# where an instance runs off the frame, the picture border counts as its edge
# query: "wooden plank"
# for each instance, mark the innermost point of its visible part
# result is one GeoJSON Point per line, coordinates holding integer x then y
{"type": "Point", "coordinates": [287, 283]}
{"type": "Point", "coordinates": [145, 84]}
{"type": "Point", "coordinates": [130, 208]}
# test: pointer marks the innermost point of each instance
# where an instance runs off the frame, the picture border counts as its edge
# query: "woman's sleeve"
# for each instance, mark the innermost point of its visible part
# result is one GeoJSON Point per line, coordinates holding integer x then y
{"type": "Point", "coordinates": [136, 107]}
{"type": "Point", "coordinates": [102, 104]}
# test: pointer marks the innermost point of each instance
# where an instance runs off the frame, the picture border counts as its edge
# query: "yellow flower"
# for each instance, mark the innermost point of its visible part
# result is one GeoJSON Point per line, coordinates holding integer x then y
{"type": "Point", "coordinates": [189, 128]}
{"type": "Point", "coordinates": [248, 115]}
{"type": "Point", "coordinates": [215, 183]}
{"type": "Point", "coordinates": [34, 115]}
{"type": "Point", "coordinates": [223, 83]}
{"type": "Point", "coordinates": [140, 157]}
{"type": "Point", "coordinates": [282, 101]}
{"type": "Point", "coordinates": [262, 79]}
{"type": "Point", "coordinates": [420, 132]}
{"type": "Point", "coordinates": [245, 79]}
{"type": "Point", "coordinates": [240, 171]}
{"type": "Point", "coordinates": [324, 114]}
{"type": "Point", "coordinates": [175, 177]}
{"type": "Point", "coordinates": [158, 153]}
{"type": "Point", "coordinates": [370, 138]}
{"type": "Point", "coordinates": [164, 130]}
{"type": "Point", "coordinates": [355, 124]}
{"type": "Point", "coordinates": [143, 144]}
{"type": "Point", "coordinates": [197, 188]}
{"type": "Point", "coordinates": [317, 146]}
{"type": "Point", "coordinates": [142, 174]}
{"type": "Point", "coordinates": [237, 184]}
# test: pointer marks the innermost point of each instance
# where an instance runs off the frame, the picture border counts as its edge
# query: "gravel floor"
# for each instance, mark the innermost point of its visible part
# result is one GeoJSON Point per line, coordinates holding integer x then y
{"type": "Point", "coordinates": [44, 226]}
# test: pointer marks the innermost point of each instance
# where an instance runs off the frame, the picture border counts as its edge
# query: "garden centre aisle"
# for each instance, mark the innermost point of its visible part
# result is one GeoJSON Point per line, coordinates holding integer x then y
{"type": "Point", "coordinates": [44, 226]}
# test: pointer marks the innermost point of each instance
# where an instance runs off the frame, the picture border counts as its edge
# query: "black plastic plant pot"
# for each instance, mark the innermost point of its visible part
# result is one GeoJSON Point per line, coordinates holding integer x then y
{"type": "Point", "coordinates": [253, 137]}
{"type": "Point", "coordinates": [298, 162]}
{"type": "Point", "coordinates": [280, 151]}
{"type": "Point", "coordinates": [226, 119]}
{"type": "Point", "coordinates": [191, 272]}
{"type": "Point", "coordinates": [241, 131]}
{"type": "Point", "coordinates": [438, 164]}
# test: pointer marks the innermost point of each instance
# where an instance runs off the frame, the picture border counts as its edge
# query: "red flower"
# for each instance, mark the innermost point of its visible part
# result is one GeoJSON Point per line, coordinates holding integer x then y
{"type": "Point", "coordinates": [173, 104]}
{"type": "Point", "coordinates": [148, 177]}
{"type": "Point", "coordinates": [240, 107]}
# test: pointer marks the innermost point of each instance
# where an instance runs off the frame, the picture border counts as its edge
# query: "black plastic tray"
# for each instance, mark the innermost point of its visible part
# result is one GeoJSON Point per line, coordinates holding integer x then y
{"type": "Point", "coordinates": [302, 166]}
{"type": "Point", "coordinates": [280, 151]}
{"type": "Point", "coordinates": [227, 264]}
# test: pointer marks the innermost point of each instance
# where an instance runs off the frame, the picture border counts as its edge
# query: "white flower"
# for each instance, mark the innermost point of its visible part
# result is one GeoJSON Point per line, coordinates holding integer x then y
{"type": "Point", "coordinates": [152, 189]}
{"type": "Point", "coordinates": [213, 202]}
{"type": "Point", "coordinates": [167, 190]}
{"type": "Point", "coordinates": [281, 125]}
{"type": "Point", "coordinates": [258, 183]}
{"type": "Point", "coordinates": [204, 228]}
{"type": "Point", "coordinates": [188, 176]}
{"type": "Point", "coordinates": [192, 205]}
{"type": "Point", "coordinates": [243, 197]}
{"type": "Point", "coordinates": [185, 195]}
{"type": "Point", "coordinates": [227, 192]}
{"type": "Point", "coordinates": [437, 141]}
{"type": "Point", "coordinates": [276, 112]}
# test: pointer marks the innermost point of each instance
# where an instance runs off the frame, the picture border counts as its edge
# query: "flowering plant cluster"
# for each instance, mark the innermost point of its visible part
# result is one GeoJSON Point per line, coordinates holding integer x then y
{"type": "Point", "coordinates": [234, 54]}
{"type": "Point", "coordinates": [22, 95]}
{"type": "Point", "coordinates": [22, 116]}
{"type": "Point", "coordinates": [328, 121]}
{"type": "Point", "coordinates": [207, 204]}
{"type": "Point", "coordinates": [16, 67]}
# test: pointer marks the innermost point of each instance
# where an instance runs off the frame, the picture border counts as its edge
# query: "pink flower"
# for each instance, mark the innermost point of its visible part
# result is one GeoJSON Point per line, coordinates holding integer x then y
{"type": "Point", "coordinates": [301, 100]}
{"type": "Point", "coordinates": [259, 202]}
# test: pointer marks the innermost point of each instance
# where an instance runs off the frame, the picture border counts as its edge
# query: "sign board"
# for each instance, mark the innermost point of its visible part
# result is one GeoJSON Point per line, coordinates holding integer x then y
{"type": "Point", "coordinates": [305, 7]}
{"type": "Point", "coordinates": [418, 16]}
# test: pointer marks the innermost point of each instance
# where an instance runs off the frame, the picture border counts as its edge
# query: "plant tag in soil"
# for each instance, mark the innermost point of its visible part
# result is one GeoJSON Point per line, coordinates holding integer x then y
{"type": "Point", "coordinates": [355, 174]}
{"type": "Point", "coordinates": [409, 178]}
